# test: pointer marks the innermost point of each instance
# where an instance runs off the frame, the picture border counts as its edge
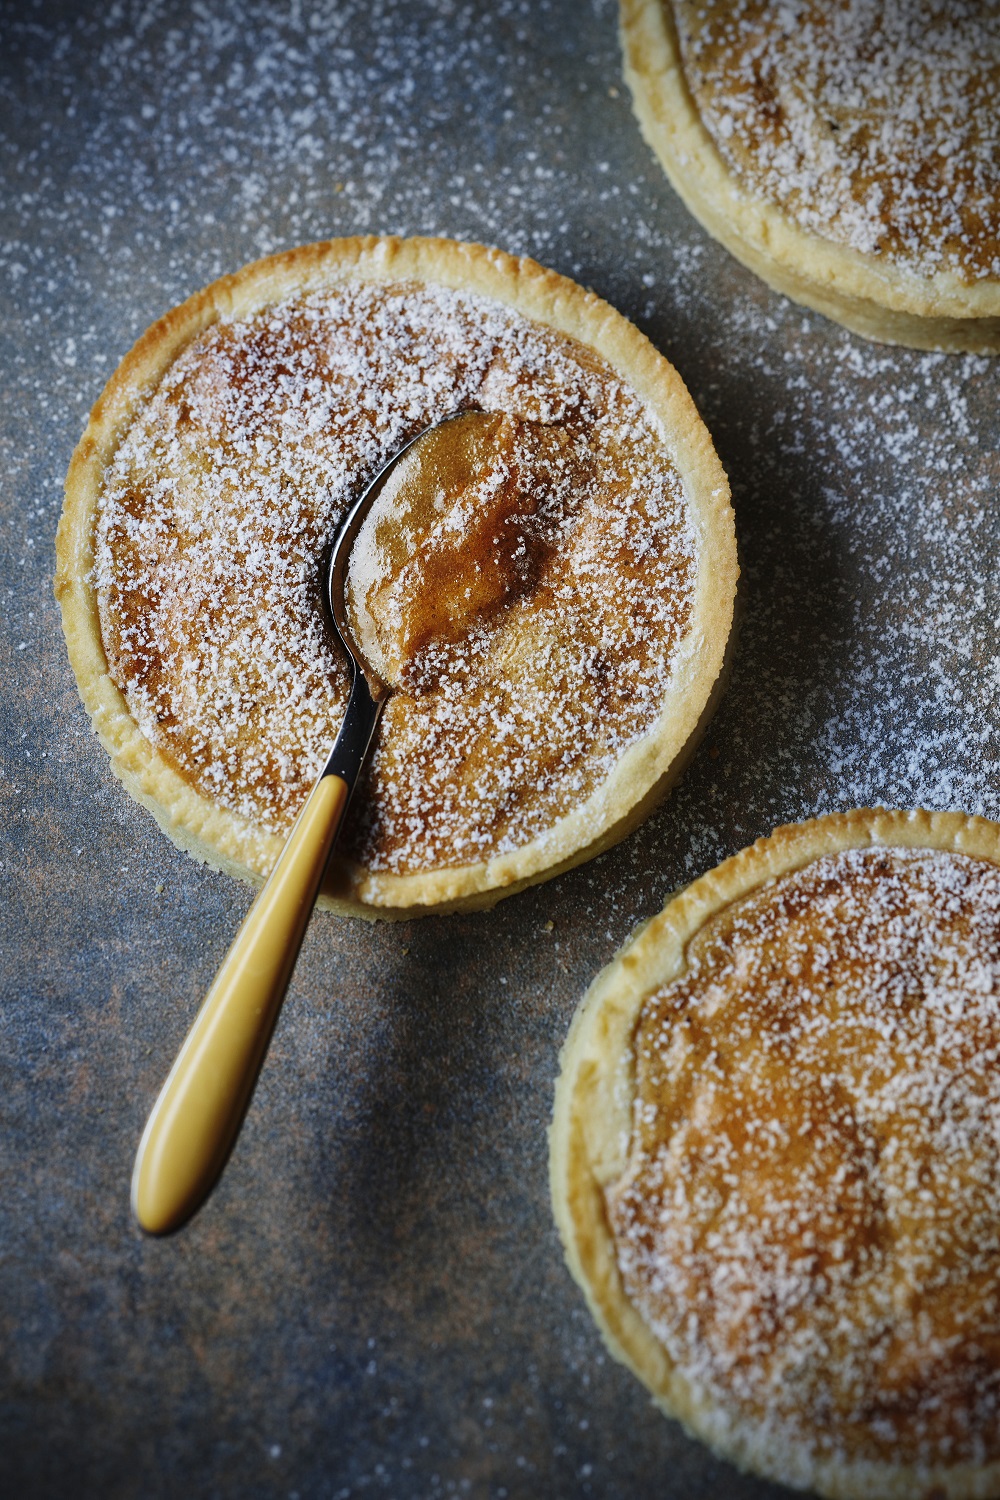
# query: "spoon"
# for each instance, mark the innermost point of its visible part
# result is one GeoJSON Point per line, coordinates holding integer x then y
{"type": "Point", "coordinates": [197, 1117]}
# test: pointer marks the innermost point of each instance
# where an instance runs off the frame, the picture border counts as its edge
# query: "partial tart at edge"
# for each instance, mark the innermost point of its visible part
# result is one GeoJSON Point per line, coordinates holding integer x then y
{"type": "Point", "coordinates": [774, 1156]}
{"type": "Point", "coordinates": [797, 209]}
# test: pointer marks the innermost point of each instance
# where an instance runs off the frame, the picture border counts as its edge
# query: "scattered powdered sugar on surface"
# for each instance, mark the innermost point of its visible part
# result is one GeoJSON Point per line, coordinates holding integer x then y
{"type": "Point", "coordinates": [809, 1218]}
{"type": "Point", "coordinates": [220, 500]}
{"type": "Point", "coordinates": [867, 669]}
{"type": "Point", "coordinates": [873, 124]}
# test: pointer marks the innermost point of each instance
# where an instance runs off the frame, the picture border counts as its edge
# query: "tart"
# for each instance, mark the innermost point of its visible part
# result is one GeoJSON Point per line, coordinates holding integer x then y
{"type": "Point", "coordinates": [775, 1156]}
{"type": "Point", "coordinates": [846, 153]}
{"type": "Point", "coordinates": [211, 479]}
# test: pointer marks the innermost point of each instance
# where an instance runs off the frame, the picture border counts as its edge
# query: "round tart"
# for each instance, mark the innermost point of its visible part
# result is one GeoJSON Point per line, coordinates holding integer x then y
{"type": "Point", "coordinates": [210, 482]}
{"type": "Point", "coordinates": [775, 1156]}
{"type": "Point", "coordinates": [847, 153]}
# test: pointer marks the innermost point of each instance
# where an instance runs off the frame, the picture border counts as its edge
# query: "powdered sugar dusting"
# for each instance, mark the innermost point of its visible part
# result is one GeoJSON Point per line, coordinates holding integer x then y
{"type": "Point", "coordinates": [872, 124]}
{"type": "Point", "coordinates": [220, 501]}
{"type": "Point", "coordinates": [809, 1218]}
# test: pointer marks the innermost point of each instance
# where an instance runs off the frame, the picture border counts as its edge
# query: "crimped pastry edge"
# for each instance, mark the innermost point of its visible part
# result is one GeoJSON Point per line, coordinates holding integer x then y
{"type": "Point", "coordinates": [876, 299]}
{"type": "Point", "coordinates": [591, 1126]}
{"type": "Point", "coordinates": [648, 768]}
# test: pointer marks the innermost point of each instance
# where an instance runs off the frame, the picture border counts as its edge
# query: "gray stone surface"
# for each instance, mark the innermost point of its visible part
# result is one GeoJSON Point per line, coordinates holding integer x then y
{"type": "Point", "coordinates": [374, 1300]}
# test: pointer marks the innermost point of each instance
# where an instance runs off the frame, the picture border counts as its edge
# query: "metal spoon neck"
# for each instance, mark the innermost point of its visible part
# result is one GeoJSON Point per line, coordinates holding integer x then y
{"type": "Point", "coordinates": [357, 730]}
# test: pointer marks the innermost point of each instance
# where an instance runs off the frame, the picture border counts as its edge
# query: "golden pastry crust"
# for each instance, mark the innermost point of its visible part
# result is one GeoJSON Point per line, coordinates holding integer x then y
{"type": "Point", "coordinates": [233, 834]}
{"type": "Point", "coordinates": [801, 187]}
{"type": "Point", "coordinates": [774, 1150]}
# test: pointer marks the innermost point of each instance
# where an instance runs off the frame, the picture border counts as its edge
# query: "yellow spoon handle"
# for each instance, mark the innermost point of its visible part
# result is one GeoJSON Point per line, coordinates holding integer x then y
{"type": "Point", "coordinates": [197, 1117]}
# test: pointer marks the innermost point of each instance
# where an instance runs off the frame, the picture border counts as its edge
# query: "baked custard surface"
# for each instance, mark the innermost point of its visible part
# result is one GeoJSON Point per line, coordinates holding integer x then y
{"type": "Point", "coordinates": [848, 153]}
{"type": "Point", "coordinates": [775, 1156]}
{"type": "Point", "coordinates": [598, 504]}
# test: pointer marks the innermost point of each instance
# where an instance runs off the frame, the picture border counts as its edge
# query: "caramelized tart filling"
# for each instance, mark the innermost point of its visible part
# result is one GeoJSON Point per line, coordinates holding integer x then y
{"type": "Point", "coordinates": [872, 123]}
{"type": "Point", "coordinates": [810, 1217]}
{"type": "Point", "coordinates": [446, 544]}
{"type": "Point", "coordinates": [528, 585]}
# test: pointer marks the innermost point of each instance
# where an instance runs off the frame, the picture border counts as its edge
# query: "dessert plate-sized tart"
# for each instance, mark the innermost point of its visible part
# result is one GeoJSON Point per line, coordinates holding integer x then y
{"type": "Point", "coordinates": [775, 1156]}
{"type": "Point", "coordinates": [555, 618]}
{"type": "Point", "coordinates": [846, 153]}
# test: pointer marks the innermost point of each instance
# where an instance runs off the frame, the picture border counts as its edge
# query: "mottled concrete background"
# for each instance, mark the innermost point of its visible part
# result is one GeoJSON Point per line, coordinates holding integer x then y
{"type": "Point", "coordinates": [374, 1301]}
